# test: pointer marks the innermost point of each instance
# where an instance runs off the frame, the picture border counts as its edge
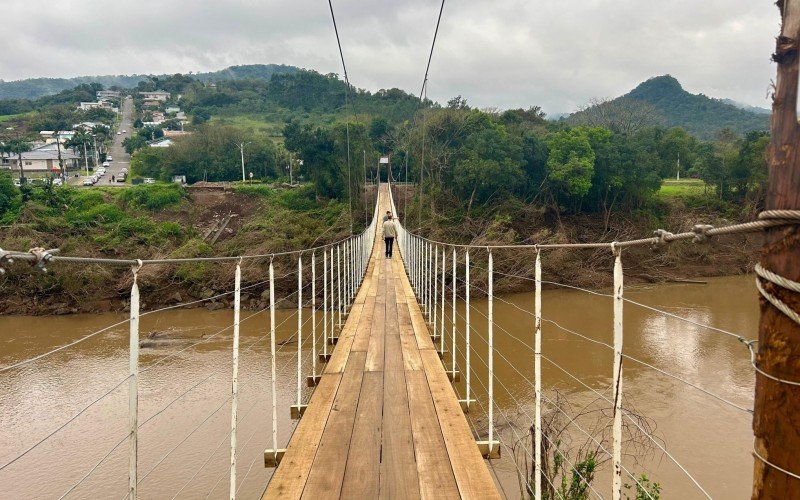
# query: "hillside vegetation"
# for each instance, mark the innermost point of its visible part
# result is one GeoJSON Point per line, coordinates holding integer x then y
{"type": "Point", "coordinates": [31, 88]}
{"type": "Point", "coordinates": [666, 103]}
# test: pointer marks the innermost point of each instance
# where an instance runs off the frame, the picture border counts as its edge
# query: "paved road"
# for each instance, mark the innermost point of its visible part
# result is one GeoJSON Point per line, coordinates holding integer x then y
{"type": "Point", "coordinates": [120, 159]}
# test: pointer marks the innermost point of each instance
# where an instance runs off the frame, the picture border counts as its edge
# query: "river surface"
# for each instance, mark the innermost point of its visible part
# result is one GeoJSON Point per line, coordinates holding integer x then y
{"type": "Point", "coordinates": [711, 439]}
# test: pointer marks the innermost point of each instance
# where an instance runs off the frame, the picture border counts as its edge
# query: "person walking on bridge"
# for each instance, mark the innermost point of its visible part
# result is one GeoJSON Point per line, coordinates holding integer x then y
{"type": "Point", "coordinates": [389, 234]}
{"type": "Point", "coordinates": [387, 216]}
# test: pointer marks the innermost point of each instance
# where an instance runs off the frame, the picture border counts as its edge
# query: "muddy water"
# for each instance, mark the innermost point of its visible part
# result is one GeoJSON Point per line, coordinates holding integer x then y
{"type": "Point", "coordinates": [711, 439]}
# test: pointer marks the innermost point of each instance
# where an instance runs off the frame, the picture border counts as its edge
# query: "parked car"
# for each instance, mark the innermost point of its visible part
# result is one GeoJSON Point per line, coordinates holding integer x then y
{"type": "Point", "coordinates": [109, 158]}
{"type": "Point", "coordinates": [121, 177]}
{"type": "Point", "coordinates": [17, 183]}
{"type": "Point", "coordinates": [87, 181]}
{"type": "Point", "coordinates": [149, 180]}
{"type": "Point", "coordinates": [57, 181]}
{"type": "Point", "coordinates": [119, 133]}
{"type": "Point", "coordinates": [124, 131]}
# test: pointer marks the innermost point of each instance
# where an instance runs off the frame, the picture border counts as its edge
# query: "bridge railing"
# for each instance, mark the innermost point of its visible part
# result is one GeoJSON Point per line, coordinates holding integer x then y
{"type": "Point", "coordinates": [440, 274]}
{"type": "Point", "coordinates": [328, 294]}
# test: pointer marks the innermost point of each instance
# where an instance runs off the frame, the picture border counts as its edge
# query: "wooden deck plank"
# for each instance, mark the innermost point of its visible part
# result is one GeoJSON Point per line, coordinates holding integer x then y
{"type": "Point", "coordinates": [362, 474]}
{"type": "Point", "coordinates": [327, 471]}
{"type": "Point", "coordinates": [399, 477]}
{"type": "Point", "coordinates": [361, 341]}
{"type": "Point", "coordinates": [436, 479]}
{"type": "Point", "coordinates": [472, 476]}
{"type": "Point", "coordinates": [290, 478]}
{"type": "Point", "coordinates": [384, 420]}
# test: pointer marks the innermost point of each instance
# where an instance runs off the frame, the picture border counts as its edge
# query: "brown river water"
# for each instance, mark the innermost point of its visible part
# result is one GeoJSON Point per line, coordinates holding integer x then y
{"type": "Point", "coordinates": [711, 439]}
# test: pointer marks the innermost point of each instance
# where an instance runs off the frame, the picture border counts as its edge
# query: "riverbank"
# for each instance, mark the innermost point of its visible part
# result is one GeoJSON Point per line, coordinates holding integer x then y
{"type": "Point", "coordinates": [160, 221]}
{"type": "Point", "coordinates": [166, 221]}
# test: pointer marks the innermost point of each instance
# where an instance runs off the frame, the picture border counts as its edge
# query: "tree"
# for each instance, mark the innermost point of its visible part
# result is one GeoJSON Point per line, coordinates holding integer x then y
{"type": "Point", "coordinates": [17, 147]}
{"type": "Point", "coordinates": [570, 165]}
{"type": "Point", "coordinates": [623, 115]}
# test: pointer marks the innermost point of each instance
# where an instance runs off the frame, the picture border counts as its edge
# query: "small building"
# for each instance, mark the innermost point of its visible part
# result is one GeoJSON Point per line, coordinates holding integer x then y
{"type": "Point", "coordinates": [43, 159]}
{"type": "Point", "coordinates": [107, 94]}
{"type": "Point", "coordinates": [49, 136]}
{"type": "Point", "coordinates": [172, 110]}
{"type": "Point", "coordinates": [163, 142]}
{"type": "Point", "coordinates": [175, 133]}
{"type": "Point", "coordinates": [151, 103]}
{"type": "Point", "coordinates": [157, 95]}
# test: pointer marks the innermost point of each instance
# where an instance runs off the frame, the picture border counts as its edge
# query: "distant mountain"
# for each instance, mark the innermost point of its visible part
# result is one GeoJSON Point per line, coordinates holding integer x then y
{"type": "Point", "coordinates": [700, 115]}
{"type": "Point", "coordinates": [741, 105]}
{"type": "Point", "coordinates": [32, 88]}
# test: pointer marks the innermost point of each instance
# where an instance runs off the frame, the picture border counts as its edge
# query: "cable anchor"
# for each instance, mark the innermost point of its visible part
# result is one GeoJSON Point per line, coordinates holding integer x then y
{"type": "Point", "coordinates": [42, 257]}
{"type": "Point", "coordinates": [701, 232]}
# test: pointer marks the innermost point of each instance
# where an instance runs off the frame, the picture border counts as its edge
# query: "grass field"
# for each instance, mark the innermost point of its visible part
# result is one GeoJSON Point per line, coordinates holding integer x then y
{"type": "Point", "coordinates": [689, 188]}
{"type": "Point", "coordinates": [256, 123]}
{"type": "Point", "coordinates": [8, 118]}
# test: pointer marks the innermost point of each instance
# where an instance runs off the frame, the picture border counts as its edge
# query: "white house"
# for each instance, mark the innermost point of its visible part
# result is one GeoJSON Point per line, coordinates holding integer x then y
{"type": "Point", "coordinates": [43, 159]}
{"type": "Point", "coordinates": [107, 94]}
{"type": "Point", "coordinates": [158, 95]}
{"type": "Point", "coordinates": [164, 142]}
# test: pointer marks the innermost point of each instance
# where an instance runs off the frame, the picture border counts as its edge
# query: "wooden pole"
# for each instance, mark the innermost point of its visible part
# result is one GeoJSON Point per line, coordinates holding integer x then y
{"type": "Point", "coordinates": [777, 404]}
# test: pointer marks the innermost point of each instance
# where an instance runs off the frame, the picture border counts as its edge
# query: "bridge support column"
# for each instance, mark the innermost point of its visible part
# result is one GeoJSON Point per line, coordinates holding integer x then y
{"type": "Point", "coordinates": [490, 448]}
{"type": "Point", "coordinates": [273, 456]}
{"type": "Point", "coordinates": [441, 305]}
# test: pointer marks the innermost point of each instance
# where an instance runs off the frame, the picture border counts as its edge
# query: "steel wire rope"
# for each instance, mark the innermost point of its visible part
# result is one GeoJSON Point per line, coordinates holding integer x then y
{"type": "Point", "coordinates": [247, 349]}
{"type": "Point", "coordinates": [571, 419]}
{"type": "Point", "coordinates": [218, 332]}
{"type": "Point", "coordinates": [120, 323]}
{"type": "Point", "coordinates": [519, 438]}
{"type": "Point", "coordinates": [142, 424]}
{"type": "Point", "coordinates": [94, 468]}
{"type": "Point", "coordinates": [218, 371]}
{"type": "Point", "coordinates": [737, 336]}
{"type": "Point", "coordinates": [636, 360]}
{"type": "Point", "coordinates": [634, 422]}
{"type": "Point", "coordinates": [69, 421]}
{"type": "Point", "coordinates": [27, 256]}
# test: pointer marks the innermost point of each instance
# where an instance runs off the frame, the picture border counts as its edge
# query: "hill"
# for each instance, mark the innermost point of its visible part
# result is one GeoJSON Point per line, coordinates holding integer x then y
{"type": "Point", "coordinates": [672, 106]}
{"type": "Point", "coordinates": [32, 88]}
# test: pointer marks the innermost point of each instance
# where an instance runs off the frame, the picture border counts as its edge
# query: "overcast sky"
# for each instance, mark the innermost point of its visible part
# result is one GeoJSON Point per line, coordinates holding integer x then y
{"type": "Point", "coordinates": [503, 53]}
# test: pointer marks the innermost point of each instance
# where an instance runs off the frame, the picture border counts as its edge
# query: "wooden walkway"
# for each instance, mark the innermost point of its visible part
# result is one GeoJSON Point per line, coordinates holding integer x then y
{"type": "Point", "coordinates": [384, 420]}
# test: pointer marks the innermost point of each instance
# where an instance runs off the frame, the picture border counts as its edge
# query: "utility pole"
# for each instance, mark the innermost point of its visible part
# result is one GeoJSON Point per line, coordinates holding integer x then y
{"type": "Point", "coordinates": [241, 149]}
{"type": "Point", "coordinates": [85, 158]}
{"type": "Point", "coordinates": [678, 177]}
{"type": "Point", "coordinates": [776, 417]}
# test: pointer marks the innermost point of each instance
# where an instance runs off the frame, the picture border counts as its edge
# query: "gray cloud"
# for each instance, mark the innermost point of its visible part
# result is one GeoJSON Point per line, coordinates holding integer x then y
{"type": "Point", "coordinates": [503, 53]}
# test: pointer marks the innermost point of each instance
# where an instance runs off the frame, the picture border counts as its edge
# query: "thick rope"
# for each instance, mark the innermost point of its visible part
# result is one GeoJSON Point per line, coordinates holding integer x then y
{"type": "Point", "coordinates": [767, 462]}
{"type": "Point", "coordinates": [781, 282]}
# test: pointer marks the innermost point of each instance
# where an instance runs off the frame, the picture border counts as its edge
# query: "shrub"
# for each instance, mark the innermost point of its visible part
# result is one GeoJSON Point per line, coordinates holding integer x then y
{"type": "Point", "coordinates": [152, 197]}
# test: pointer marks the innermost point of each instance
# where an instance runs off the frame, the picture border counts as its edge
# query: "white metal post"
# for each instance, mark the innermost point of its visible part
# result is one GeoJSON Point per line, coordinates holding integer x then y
{"type": "Point", "coordinates": [237, 306]}
{"type": "Point", "coordinates": [428, 280]}
{"type": "Point", "coordinates": [453, 316]}
{"type": "Point", "coordinates": [345, 276]}
{"type": "Point", "coordinates": [617, 378]}
{"type": "Point", "coordinates": [272, 362]}
{"type": "Point", "coordinates": [537, 371]}
{"type": "Point", "coordinates": [468, 327]}
{"type": "Point", "coordinates": [314, 314]}
{"type": "Point", "coordinates": [490, 326]}
{"type": "Point", "coordinates": [299, 329]}
{"type": "Point", "coordinates": [333, 296]}
{"type": "Point", "coordinates": [325, 303]}
{"type": "Point", "coordinates": [441, 307]}
{"type": "Point", "coordinates": [435, 289]}
{"type": "Point", "coordinates": [133, 389]}
{"type": "Point", "coordinates": [339, 281]}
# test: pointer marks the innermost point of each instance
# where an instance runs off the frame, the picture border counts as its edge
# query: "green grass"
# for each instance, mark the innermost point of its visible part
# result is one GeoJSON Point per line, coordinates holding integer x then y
{"type": "Point", "coordinates": [261, 124]}
{"type": "Point", "coordinates": [8, 118]}
{"type": "Point", "coordinates": [689, 188]}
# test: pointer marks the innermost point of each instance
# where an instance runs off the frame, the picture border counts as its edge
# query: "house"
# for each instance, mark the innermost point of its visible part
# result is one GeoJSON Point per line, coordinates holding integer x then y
{"type": "Point", "coordinates": [90, 105]}
{"type": "Point", "coordinates": [175, 133]}
{"type": "Point", "coordinates": [88, 126]}
{"type": "Point", "coordinates": [158, 116]}
{"type": "Point", "coordinates": [171, 110]}
{"type": "Point", "coordinates": [158, 95]}
{"type": "Point", "coordinates": [164, 142]}
{"type": "Point", "coordinates": [107, 94]}
{"type": "Point", "coordinates": [151, 103]}
{"type": "Point", "coordinates": [49, 136]}
{"type": "Point", "coordinates": [43, 159]}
